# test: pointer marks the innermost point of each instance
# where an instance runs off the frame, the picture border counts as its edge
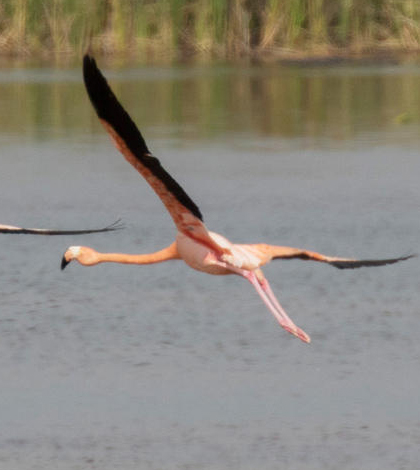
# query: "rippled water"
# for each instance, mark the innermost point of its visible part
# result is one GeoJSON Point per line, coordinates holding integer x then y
{"type": "Point", "coordinates": [161, 367]}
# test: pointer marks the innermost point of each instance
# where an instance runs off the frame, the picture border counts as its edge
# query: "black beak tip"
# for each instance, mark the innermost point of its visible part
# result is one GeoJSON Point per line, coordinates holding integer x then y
{"type": "Point", "coordinates": [64, 262]}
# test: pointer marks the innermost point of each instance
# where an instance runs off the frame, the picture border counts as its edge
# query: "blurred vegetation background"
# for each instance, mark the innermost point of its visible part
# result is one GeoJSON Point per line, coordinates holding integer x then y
{"type": "Point", "coordinates": [156, 30]}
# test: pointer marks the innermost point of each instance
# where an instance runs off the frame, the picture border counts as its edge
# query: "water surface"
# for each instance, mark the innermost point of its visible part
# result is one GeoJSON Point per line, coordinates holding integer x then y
{"type": "Point", "coordinates": [161, 367]}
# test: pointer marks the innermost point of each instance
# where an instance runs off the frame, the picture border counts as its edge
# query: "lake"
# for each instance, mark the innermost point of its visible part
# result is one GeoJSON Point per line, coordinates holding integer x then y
{"type": "Point", "coordinates": [161, 367]}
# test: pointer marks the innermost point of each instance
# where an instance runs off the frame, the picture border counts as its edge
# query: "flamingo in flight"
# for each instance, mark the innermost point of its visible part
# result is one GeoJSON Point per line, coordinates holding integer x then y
{"type": "Point", "coordinates": [199, 248]}
{"type": "Point", "coordinates": [11, 229]}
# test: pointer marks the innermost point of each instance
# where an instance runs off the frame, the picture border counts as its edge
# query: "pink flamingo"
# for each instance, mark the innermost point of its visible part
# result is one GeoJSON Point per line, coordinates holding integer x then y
{"type": "Point", "coordinates": [199, 248]}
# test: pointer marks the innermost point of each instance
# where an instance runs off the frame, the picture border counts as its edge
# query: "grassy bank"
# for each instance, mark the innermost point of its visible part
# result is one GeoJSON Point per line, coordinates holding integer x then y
{"type": "Point", "coordinates": [169, 29]}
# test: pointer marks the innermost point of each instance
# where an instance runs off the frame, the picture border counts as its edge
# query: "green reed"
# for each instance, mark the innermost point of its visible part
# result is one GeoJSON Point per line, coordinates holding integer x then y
{"type": "Point", "coordinates": [207, 28]}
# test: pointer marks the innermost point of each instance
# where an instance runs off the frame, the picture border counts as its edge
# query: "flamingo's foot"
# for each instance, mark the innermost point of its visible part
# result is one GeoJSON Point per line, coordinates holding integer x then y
{"type": "Point", "coordinates": [296, 331]}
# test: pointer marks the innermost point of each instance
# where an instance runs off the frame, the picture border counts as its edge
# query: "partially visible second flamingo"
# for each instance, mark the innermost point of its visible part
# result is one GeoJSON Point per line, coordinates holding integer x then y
{"type": "Point", "coordinates": [11, 229]}
{"type": "Point", "coordinates": [200, 249]}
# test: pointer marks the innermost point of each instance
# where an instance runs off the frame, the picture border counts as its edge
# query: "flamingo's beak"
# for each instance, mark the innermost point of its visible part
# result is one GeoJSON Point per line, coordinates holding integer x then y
{"type": "Point", "coordinates": [64, 262]}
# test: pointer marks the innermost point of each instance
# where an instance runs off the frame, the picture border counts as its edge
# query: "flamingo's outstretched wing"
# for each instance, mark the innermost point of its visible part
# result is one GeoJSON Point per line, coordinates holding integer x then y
{"type": "Point", "coordinates": [45, 231]}
{"type": "Point", "coordinates": [129, 141]}
{"type": "Point", "coordinates": [284, 252]}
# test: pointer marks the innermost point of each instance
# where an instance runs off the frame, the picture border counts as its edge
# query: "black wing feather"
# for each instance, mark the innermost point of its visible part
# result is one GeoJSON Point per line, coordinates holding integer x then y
{"type": "Point", "coordinates": [352, 264]}
{"type": "Point", "coordinates": [110, 110]}
{"type": "Point", "coordinates": [10, 229]}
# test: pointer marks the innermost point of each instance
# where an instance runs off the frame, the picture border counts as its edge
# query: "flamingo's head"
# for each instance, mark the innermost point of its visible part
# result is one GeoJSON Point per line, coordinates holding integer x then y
{"type": "Point", "coordinates": [70, 254]}
{"type": "Point", "coordinates": [83, 254]}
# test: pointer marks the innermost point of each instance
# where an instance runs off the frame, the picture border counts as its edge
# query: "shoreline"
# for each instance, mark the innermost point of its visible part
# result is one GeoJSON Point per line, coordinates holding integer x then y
{"type": "Point", "coordinates": [299, 57]}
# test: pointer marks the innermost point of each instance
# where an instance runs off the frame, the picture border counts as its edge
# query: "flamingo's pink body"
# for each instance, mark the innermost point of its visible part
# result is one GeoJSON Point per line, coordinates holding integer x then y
{"type": "Point", "coordinates": [201, 249]}
{"type": "Point", "coordinates": [199, 257]}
